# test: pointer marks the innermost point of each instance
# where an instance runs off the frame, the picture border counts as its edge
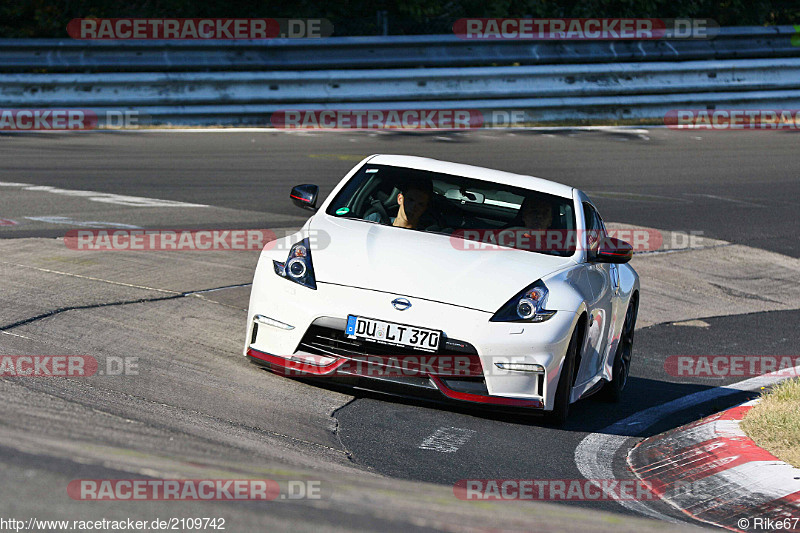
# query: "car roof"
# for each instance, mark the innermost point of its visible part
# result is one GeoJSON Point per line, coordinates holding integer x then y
{"type": "Point", "coordinates": [470, 171]}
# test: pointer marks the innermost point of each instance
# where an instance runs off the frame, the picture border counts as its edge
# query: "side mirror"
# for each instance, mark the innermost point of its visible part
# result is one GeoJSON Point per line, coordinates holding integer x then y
{"type": "Point", "coordinates": [613, 250]}
{"type": "Point", "coordinates": [305, 196]}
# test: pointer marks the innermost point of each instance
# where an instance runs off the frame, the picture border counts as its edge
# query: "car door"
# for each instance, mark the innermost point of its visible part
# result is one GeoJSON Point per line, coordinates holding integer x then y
{"type": "Point", "coordinates": [604, 282]}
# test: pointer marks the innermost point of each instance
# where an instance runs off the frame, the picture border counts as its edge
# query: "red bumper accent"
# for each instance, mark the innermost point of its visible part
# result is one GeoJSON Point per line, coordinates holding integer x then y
{"type": "Point", "coordinates": [297, 368]}
{"type": "Point", "coordinates": [480, 398]}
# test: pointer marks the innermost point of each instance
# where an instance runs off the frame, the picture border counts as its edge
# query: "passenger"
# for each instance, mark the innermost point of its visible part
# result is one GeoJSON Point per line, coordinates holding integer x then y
{"type": "Point", "coordinates": [536, 213]}
{"type": "Point", "coordinates": [530, 229]}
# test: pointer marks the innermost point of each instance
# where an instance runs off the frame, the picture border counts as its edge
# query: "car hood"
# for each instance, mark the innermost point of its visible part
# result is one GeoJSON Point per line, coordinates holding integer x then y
{"type": "Point", "coordinates": [423, 265]}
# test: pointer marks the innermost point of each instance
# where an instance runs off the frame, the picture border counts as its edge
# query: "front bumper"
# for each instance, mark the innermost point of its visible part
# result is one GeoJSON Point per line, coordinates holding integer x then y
{"type": "Point", "coordinates": [296, 367]}
{"type": "Point", "coordinates": [303, 311]}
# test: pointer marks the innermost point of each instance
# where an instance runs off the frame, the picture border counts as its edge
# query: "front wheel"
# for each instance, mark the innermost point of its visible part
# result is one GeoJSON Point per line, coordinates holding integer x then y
{"type": "Point", "coordinates": [622, 359]}
{"type": "Point", "coordinates": [558, 416]}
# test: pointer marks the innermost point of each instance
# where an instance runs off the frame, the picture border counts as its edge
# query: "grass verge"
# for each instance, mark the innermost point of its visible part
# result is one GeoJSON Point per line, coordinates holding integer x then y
{"type": "Point", "coordinates": [774, 423]}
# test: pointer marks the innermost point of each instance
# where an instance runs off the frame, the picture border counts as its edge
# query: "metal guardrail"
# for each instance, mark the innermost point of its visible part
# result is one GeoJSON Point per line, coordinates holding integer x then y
{"type": "Point", "coordinates": [181, 82]}
{"type": "Point", "coordinates": [288, 88]}
{"type": "Point", "coordinates": [535, 110]}
{"type": "Point", "coordinates": [377, 52]}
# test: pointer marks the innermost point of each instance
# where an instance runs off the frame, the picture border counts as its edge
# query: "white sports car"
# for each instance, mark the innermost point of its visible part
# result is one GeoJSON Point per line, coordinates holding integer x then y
{"type": "Point", "coordinates": [419, 276]}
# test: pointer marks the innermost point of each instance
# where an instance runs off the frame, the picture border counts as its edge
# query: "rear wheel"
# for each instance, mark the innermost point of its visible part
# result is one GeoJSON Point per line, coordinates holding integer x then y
{"type": "Point", "coordinates": [558, 416]}
{"type": "Point", "coordinates": [622, 359]}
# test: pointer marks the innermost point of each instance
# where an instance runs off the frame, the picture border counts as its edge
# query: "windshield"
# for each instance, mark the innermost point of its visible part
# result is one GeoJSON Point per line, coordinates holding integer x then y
{"type": "Point", "coordinates": [467, 209]}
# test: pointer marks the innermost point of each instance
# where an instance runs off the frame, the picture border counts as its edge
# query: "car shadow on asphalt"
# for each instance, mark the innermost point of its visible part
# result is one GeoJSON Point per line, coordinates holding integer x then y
{"type": "Point", "coordinates": [592, 414]}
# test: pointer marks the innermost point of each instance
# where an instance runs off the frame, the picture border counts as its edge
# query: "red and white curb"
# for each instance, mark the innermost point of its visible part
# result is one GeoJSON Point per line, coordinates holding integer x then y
{"type": "Point", "coordinates": [713, 472]}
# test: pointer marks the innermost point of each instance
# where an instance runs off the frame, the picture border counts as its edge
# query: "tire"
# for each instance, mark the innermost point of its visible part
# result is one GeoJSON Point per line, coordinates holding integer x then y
{"type": "Point", "coordinates": [558, 416]}
{"type": "Point", "coordinates": [612, 391]}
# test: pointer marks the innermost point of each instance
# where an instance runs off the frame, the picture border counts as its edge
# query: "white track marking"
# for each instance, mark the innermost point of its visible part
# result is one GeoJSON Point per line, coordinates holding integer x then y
{"type": "Point", "coordinates": [49, 271]}
{"type": "Point", "coordinates": [594, 456]}
{"type": "Point", "coordinates": [15, 335]}
{"type": "Point", "coordinates": [103, 197]}
{"type": "Point", "coordinates": [724, 199]}
{"type": "Point", "coordinates": [447, 439]}
{"type": "Point", "coordinates": [83, 223]}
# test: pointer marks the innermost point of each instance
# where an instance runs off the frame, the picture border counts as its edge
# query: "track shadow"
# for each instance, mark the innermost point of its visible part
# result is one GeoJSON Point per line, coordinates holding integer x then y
{"type": "Point", "coordinates": [592, 414]}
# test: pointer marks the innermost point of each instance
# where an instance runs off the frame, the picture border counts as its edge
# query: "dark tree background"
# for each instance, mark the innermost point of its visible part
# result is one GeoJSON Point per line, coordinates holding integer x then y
{"type": "Point", "coordinates": [48, 18]}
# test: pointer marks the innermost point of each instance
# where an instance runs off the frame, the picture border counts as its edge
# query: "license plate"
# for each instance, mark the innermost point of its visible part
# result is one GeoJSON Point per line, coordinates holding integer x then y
{"type": "Point", "coordinates": [359, 327]}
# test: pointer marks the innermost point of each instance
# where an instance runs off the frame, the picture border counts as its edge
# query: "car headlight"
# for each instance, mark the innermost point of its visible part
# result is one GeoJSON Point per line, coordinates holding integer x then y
{"type": "Point", "coordinates": [529, 305]}
{"type": "Point", "coordinates": [298, 267]}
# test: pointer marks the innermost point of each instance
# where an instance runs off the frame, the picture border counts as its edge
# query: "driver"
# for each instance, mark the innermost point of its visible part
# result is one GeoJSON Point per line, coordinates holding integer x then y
{"type": "Point", "coordinates": [413, 200]}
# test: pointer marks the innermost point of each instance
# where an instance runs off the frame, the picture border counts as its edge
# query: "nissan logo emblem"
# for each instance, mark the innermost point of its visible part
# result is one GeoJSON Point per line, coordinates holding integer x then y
{"type": "Point", "coordinates": [401, 304]}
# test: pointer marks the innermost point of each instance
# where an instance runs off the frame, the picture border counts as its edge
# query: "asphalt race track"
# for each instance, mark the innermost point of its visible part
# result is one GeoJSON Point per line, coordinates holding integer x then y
{"type": "Point", "coordinates": [733, 185]}
{"type": "Point", "coordinates": [195, 408]}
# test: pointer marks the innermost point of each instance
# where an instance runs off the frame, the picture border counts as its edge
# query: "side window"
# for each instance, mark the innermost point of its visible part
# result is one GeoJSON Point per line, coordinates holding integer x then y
{"type": "Point", "coordinates": [595, 229]}
{"type": "Point", "coordinates": [600, 224]}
